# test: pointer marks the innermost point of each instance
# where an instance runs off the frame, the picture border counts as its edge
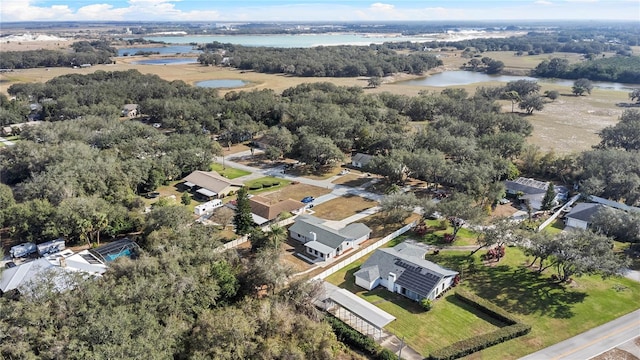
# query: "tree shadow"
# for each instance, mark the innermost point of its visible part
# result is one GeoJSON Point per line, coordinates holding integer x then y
{"type": "Point", "coordinates": [627, 105]}
{"type": "Point", "coordinates": [522, 291]}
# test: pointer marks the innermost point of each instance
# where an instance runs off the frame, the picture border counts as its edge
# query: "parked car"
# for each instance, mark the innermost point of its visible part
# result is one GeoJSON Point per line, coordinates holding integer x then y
{"type": "Point", "coordinates": [344, 172]}
{"type": "Point", "coordinates": [152, 195]}
{"type": "Point", "coordinates": [10, 264]}
{"type": "Point", "coordinates": [307, 199]}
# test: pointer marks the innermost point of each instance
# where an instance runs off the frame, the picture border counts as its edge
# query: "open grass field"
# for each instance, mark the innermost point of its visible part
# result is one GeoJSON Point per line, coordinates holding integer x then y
{"type": "Point", "coordinates": [352, 179]}
{"type": "Point", "coordinates": [556, 312]}
{"type": "Point", "coordinates": [343, 207]}
{"type": "Point", "coordinates": [228, 172]}
{"type": "Point", "coordinates": [435, 235]}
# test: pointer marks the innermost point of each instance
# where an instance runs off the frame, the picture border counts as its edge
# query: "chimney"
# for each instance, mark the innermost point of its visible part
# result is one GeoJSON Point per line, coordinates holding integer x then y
{"type": "Point", "coordinates": [63, 262]}
{"type": "Point", "coordinates": [313, 235]}
{"type": "Point", "coordinates": [391, 282]}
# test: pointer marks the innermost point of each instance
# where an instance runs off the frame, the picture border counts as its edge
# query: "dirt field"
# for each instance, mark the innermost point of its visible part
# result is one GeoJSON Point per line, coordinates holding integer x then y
{"type": "Point", "coordinates": [296, 192]}
{"type": "Point", "coordinates": [343, 207]}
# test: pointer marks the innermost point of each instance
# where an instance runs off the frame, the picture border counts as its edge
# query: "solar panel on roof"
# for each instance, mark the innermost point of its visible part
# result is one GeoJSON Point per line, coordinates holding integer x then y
{"type": "Point", "coordinates": [90, 259]}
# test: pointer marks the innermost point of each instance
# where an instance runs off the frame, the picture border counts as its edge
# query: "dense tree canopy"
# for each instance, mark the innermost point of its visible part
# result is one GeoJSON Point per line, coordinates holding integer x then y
{"type": "Point", "coordinates": [321, 61]}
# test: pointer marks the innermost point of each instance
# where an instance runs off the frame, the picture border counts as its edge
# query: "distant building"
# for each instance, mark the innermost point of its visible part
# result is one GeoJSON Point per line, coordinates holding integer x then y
{"type": "Point", "coordinates": [531, 190]}
{"type": "Point", "coordinates": [129, 110]}
{"type": "Point", "coordinates": [209, 185]}
{"type": "Point", "coordinates": [360, 160]}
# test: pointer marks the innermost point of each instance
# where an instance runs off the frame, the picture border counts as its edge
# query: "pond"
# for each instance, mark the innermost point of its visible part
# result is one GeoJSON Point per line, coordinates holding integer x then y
{"type": "Point", "coordinates": [222, 83]}
{"type": "Point", "coordinates": [457, 78]}
{"type": "Point", "coordinates": [162, 50]}
{"type": "Point", "coordinates": [166, 61]}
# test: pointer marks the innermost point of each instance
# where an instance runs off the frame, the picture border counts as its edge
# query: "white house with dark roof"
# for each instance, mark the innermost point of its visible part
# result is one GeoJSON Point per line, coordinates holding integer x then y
{"type": "Point", "coordinates": [582, 215]}
{"type": "Point", "coordinates": [324, 242]}
{"type": "Point", "coordinates": [360, 160]}
{"type": "Point", "coordinates": [403, 270]}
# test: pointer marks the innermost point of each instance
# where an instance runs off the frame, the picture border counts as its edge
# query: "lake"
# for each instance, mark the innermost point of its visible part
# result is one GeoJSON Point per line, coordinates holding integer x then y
{"type": "Point", "coordinates": [167, 61]}
{"type": "Point", "coordinates": [457, 78]}
{"type": "Point", "coordinates": [222, 83]}
{"type": "Point", "coordinates": [162, 50]}
{"type": "Point", "coordinates": [291, 41]}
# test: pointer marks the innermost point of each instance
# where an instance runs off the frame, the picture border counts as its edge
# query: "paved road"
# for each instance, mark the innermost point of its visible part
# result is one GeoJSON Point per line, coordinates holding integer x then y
{"type": "Point", "coordinates": [593, 342]}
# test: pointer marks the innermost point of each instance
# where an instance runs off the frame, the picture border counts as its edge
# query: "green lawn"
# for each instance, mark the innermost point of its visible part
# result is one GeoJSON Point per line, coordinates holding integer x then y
{"type": "Point", "coordinates": [555, 227]}
{"type": "Point", "coordinates": [453, 319]}
{"type": "Point", "coordinates": [556, 312]}
{"type": "Point", "coordinates": [266, 183]}
{"type": "Point", "coordinates": [436, 237]}
{"type": "Point", "coordinates": [228, 172]}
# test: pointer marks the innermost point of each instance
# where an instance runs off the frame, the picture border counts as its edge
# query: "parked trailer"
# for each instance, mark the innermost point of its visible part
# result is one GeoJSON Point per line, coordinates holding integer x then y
{"type": "Point", "coordinates": [51, 247]}
{"type": "Point", "coordinates": [208, 207]}
{"type": "Point", "coordinates": [23, 250]}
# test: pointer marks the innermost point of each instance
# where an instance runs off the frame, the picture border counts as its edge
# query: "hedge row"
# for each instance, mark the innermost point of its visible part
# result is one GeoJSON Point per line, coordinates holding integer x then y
{"type": "Point", "coordinates": [485, 306]}
{"type": "Point", "coordinates": [263, 185]}
{"type": "Point", "coordinates": [348, 335]}
{"type": "Point", "coordinates": [477, 343]}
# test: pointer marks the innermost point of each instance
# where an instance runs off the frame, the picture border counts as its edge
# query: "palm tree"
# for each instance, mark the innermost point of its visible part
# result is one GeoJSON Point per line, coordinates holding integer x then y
{"type": "Point", "coordinates": [277, 235]}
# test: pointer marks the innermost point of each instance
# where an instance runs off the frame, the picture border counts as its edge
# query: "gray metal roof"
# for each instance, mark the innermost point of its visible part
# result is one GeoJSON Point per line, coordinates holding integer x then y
{"type": "Point", "coordinates": [363, 309]}
{"type": "Point", "coordinates": [361, 158]}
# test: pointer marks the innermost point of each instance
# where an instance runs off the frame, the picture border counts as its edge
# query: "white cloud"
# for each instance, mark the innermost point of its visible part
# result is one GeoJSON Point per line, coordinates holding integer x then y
{"type": "Point", "coordinates": [382, 7]}
{"type": "Point", "coordinates": [25, 10]}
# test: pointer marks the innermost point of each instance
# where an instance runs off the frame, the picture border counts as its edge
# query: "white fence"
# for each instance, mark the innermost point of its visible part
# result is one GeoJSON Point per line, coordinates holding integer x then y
{"type": "Point", "coordinates": [557, 213]}
{"type": "Point", "coordinates": [364, 252]}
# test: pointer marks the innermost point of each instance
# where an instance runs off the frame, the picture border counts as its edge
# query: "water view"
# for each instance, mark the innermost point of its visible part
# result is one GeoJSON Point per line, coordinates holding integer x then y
{"type": "Point", "coordinates": [167, 61]}
{"type": "Point", "coordinates": [162, 50]}
{"type": "Point", "coordinates": [222, 83]}
{"type": "Point", "coordinates": [290, 41]}
{"type": "Point", "coordinates": [458, 78]}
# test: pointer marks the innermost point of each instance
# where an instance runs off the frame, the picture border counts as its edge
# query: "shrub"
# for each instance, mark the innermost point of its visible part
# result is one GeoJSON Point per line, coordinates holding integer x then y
{"type": "Point", "coordinates": [275, 183]}
{"type": "Point", "coordinates": [267, 185]}
{"type": "Point", "coordinates": [255, 187]}
{"type": "Point", "coordinates": [477, 343]}
{"type": "Point", "coordinates": [427, 304]}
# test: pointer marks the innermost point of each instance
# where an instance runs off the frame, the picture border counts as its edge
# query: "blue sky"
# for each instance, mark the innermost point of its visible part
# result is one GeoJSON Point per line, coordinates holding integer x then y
{"type": "Point", "coordinates": [310, 10]}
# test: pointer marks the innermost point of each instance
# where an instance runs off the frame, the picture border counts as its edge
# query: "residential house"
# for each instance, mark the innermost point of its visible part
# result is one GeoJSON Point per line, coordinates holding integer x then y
{"type": "Point", "coordinates": [403, 270]}
{"type": "Point", "coordinates": [360, 160]}
{"type": "Point", "coordinates": [265, 210]}
{"type": "Point", "coordinates": [129, 110]}
{"type": "Point", "coordinates": [209, 185]}
{"type": "Point", "coordinates": [582, 215]}
{"type": "Point", "coordinates": [531, 190]}
{"type": "Point", "coordinates": [55, 268]}
{"type": "Point", "coordinates": [325, 242]}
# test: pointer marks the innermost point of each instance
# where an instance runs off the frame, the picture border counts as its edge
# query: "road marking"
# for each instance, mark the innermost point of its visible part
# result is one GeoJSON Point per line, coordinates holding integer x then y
{"type": "Point", "coordinates": [637, 322]}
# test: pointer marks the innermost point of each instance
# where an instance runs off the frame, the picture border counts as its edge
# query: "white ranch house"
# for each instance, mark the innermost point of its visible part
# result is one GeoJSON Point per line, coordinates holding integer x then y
{"type": "Point", "coordinates": [403, 270]}
{"type": "Point", "coordinates": [324, 242]}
